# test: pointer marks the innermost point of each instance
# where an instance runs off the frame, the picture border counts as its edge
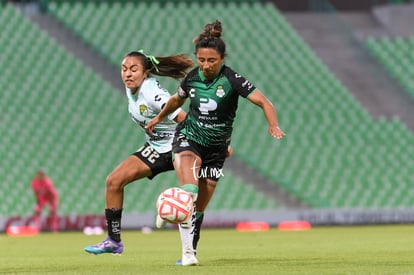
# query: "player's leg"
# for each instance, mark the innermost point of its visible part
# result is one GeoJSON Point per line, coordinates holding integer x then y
{"type": "Point", "coordinates": [211, 171]}
{"type": "Point", "coordinates": [40, 204]}
{"type": "Point", "coordinates": [187, 162]}
{"type": "Point", "coordinates": [53, 217]}
{"type": "Point", "coordinates": [131, 169]}
{"type": "Point", "coordinates": [187, 165]}
{"type": "Point", "coordinates": [191, 235]}
{"type": "Point", "coordinates": [205, 193]}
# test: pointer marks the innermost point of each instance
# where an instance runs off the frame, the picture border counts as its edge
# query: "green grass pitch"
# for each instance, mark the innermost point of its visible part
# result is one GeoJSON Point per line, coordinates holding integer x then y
{"type": "Point", "coordinates": [321, 250]}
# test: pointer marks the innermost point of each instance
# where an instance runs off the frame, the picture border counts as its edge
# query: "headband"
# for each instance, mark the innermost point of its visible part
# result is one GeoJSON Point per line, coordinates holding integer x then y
{"type": "Point", "coordinates": [154, 61]}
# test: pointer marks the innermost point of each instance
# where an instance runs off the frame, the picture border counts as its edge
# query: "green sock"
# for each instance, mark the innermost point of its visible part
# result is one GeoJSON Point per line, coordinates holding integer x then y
{"type": "Point", "coordinates": [199, 214]}
{"type": "Point", "coordinates": [192, 189]}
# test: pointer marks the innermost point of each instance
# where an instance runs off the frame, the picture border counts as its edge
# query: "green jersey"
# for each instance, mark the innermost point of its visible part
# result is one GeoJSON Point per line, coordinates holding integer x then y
{"type": "Point", "coordinates": [213, 105]}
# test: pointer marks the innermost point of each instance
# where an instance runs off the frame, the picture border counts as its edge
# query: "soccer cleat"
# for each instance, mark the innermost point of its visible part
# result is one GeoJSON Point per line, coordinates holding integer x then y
{"type": "Point", "coordinates": [107, 246]}
{"type": "Point", "coordinates": [159, 222]}
{"type": "Point", "coordinates": [188, 260]}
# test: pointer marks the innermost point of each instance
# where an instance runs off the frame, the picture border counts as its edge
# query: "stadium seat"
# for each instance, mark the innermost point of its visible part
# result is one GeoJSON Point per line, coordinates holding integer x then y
{"type": "Point", "coordinates": [396, 56]}
{"type": "Point", "coordinates": [334, 155]}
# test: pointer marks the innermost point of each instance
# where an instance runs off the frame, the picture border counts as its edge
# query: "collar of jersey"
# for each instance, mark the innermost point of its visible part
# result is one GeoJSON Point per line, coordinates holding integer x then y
{"type": "Point", "coordinates": [202, 76]}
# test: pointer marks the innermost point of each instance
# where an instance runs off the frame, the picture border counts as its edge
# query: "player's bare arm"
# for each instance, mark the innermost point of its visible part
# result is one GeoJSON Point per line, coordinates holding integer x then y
{"type": "Point", "coordinates": [269, 111]}
{"type": "Point", "coordinates": [173, 103]}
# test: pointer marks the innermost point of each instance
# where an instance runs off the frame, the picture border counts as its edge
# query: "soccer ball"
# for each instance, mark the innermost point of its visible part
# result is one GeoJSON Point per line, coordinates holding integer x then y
{"type": "Point", "coordinates": [174, 205]}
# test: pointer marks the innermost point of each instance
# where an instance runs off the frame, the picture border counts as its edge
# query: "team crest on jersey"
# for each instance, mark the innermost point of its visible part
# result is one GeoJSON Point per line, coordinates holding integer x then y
{"type": "Point", "coordinates": [220, 91]}
{"type": "Point", "coordinates": [143, 110]}
{"type": "Point", "coordinates": [183, 140]}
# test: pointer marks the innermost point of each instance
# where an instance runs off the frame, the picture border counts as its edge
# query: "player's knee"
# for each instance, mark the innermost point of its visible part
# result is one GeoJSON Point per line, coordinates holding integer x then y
{"type": "Point", "coordinates": [113, 184]}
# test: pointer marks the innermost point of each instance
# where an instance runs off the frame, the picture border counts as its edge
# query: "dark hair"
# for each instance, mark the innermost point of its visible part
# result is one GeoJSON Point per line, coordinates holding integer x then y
{"type": "Point", "coordinates": [174, 66]}
{"type": "Point", "coordinates": [210, 37]}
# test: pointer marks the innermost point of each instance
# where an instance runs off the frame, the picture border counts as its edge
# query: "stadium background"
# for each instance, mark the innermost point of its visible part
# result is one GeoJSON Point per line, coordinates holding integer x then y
{"type": "Point", "coordinates": [341, 77]}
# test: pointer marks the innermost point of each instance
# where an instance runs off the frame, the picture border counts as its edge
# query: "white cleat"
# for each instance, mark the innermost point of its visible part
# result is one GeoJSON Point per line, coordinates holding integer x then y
{"type": "Point", "coordinates": [188, 260]}
{"type": "Point", "coordinates": [159, 222]}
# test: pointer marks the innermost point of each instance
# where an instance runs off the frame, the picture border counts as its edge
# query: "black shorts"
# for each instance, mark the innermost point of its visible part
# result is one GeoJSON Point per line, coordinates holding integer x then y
{"type": "Point", "coordinates": [212, 158]}
{"type": "Point", "coordinates": [157, 162]}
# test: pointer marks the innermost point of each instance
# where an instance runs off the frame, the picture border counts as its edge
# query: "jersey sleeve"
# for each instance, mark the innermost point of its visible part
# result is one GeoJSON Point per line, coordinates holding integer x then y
{"type": "Point", "coordinates": [182, 93]}
{"type": "Point", "coordinates": [155, 95]}
{"type": "Point", "coordinates": [159, 99]}
{"type": "Point", "coordinates": [240, 84]}
{"type": "Point", "coordinates": [183, 89]}
{"type": "Point", "coordinates": [174, 114]}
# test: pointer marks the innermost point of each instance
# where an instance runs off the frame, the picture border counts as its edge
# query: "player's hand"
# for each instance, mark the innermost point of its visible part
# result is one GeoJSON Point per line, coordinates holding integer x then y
{"type": "Point", "coordinates": [229, 152]}
{"type": "Point", "coordinates": [276, 132]}
{"type": "Point", "coordinates": [149, 128]}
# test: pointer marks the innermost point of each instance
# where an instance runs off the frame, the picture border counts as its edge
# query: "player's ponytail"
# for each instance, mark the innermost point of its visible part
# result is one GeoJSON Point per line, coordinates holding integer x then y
{"type": "Point", "coordinates": [174, 66]}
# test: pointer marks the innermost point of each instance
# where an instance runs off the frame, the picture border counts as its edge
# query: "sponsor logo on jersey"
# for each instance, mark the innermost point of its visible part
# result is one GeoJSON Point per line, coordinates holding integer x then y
{"type": "Point", "coordinates": [220, 91]}
{"type": "Point", "coordinates": [157, 136]}
{"type": "Point", "coordinates": [248, 84]}
{"type": "Point", "coordinates": [206, 105]}
{"type": "Point", "coordinates": [192, 92]}
{"type": "Point", "coordinates": [184, 143]}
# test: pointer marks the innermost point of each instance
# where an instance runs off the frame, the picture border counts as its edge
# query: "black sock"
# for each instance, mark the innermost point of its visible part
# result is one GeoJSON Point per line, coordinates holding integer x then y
{"type": "Point", "coordinates": [113, 221]}
{"type": "Point", "coordinates": [197, 228]}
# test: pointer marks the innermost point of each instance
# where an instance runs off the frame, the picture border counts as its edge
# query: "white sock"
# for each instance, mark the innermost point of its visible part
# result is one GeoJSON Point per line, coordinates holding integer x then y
{"type": "Point", "coordinates": [193, 191]}
{"type": "Point", "coordinates": [187, 234]}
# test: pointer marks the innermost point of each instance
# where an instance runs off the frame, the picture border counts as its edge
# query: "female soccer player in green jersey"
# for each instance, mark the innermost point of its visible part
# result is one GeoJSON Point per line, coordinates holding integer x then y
{"type": "Point", "coordinates": [201, 141]}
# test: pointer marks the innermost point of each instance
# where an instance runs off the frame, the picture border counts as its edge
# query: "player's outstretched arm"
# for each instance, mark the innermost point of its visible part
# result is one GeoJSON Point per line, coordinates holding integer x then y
{"type": "Point", "coordinates": [269, 111]}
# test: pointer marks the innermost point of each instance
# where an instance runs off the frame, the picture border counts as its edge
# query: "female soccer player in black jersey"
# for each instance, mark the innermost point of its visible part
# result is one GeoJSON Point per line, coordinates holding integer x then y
{"type": "Point", "coordinates": [200, 144]}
